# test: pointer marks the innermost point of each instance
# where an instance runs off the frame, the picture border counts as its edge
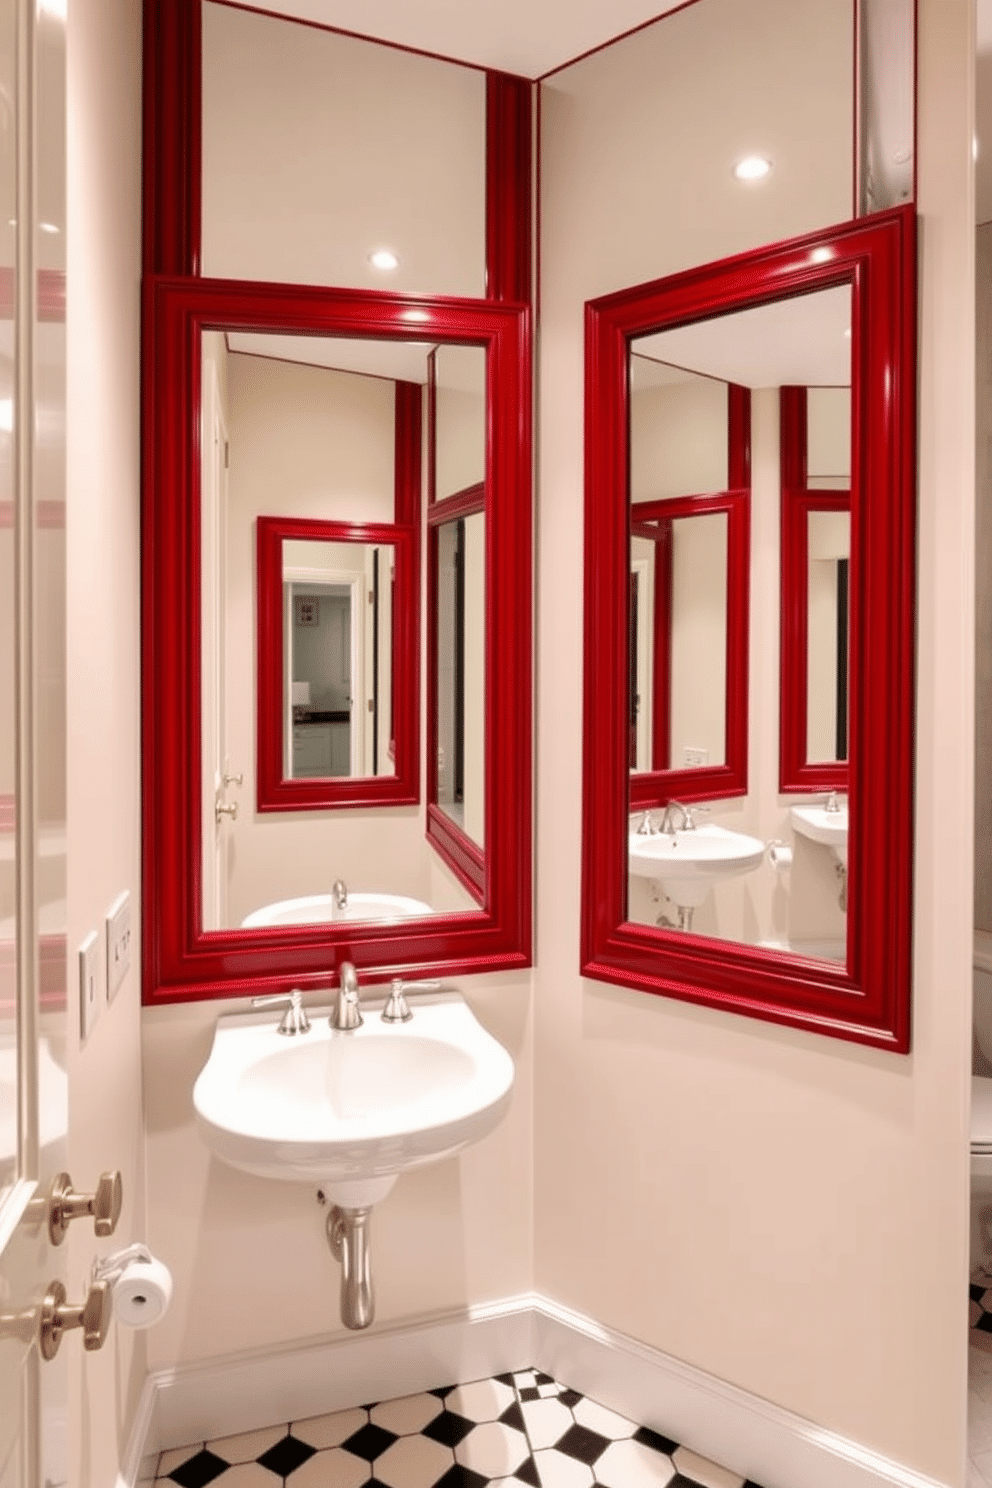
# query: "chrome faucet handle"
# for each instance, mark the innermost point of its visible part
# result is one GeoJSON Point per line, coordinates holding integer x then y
{"type": "Point", "coordinates": [646, 827]}
{"type": "Point", "coordinates": [294, 1019]}
{"type": "Point", "coordinates": [339, 893]}
{"type": "Point", "coordinates": [346, 1014]}
{"type": "Point", "coordinates": [690, 813]}
{"type": "Point", "coordinates": [832, 802]}
{"type": "Point", "coordinates": [397, 1009]}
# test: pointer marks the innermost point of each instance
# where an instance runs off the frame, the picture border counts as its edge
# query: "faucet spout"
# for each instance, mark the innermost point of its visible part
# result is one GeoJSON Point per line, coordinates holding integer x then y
{"type": "Point", "coordinates": [346, 1014]}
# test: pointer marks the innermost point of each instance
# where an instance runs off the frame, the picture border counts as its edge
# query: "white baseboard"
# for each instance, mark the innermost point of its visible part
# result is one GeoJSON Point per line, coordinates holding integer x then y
{"type": "Point", "coordinates": [751, 1436]}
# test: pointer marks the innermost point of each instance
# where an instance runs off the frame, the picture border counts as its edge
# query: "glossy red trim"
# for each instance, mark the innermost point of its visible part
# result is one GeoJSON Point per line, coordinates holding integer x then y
{"type": "Point", "coordinates": [181, 961]}
{"type": "Point", "coordinates": [796, 773]}
{"type": "Point", "coordinates": [172, 126]}
{"type": "Point", "coordinates": [508, 187]}
{"type": "Point", "coordinates": [707, 782]}
{"type": "Point", "coordinates": [867, 1000]}
{"type": "Point", "coordinates": [274, 791]}
{"type": "Point", "coordinates": [462, 504]}
{"type": "Point", "coordinates": [464, 857]}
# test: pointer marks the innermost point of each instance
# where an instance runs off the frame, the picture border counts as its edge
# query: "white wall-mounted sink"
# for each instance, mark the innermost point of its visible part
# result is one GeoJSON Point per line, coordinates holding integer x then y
{"type": "Point", "coordinates": [687, 864]}
{"type": "Point", "coordinates": [350, 1111]}
{"type": "Point", "coordinates": [828, 826]}
{"type": "Point", "coordinates": [314, 909]}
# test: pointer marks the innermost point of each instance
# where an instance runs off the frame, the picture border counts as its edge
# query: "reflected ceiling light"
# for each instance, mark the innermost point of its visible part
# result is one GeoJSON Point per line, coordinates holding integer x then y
{"type": "Point", "coordinates": [54, 9]}
{"type": "Point", "coordinates": [821, 255]}
{"type": "Point", "coordinates": [6, 415]}
{"type": "Point", "coordinates": [415, 315]}
{"type": "Point", "coordinates": [384, 259]}
{"type": "Point", "coordinates": [847, 333]}
{"type": "Point", "coordinates": [48, 227]}
{"type": "Point", "coordinates": [752, 168]}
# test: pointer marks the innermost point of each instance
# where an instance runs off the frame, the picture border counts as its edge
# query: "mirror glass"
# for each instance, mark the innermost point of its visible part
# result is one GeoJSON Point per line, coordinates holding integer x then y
{"type": "Point", "coordinates": [705, 870]}
{"type": "Point", "coordinates": [460, 620]}
{"type": "Point", "coordinates": [310, 453]}
{"type": "Point", "coordinates": [337, 659]}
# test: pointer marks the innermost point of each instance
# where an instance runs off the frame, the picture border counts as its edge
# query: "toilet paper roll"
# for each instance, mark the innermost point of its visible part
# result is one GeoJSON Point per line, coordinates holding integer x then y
{"type": "Point", "coordinates": [779, 856]}
{"type": "Point", "coordinates": [142, 1292]}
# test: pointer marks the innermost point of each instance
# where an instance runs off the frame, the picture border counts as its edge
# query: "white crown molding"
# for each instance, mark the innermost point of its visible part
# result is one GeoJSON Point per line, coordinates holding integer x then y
{"type": "Point", "coordinates": [774, 1447]}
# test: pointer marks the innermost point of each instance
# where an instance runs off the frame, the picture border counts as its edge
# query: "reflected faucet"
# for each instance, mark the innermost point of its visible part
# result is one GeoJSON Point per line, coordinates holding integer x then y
{"type": "Point", "coordinates": [339, 893]}
{"type": "Point", "coordinates": [346, 1014]}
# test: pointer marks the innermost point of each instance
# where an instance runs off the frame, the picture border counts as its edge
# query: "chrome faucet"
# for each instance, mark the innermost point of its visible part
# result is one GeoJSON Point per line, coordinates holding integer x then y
{"type": "Point", "coordinates": [346, 1013]}
{"type": "Point", "coordinates": [647, 827]}
{"type": "Point", "coordinates": [339, 893]}
{"type": "Point", "coordinates": [295, 1019]}
{"type": "Point", "coordinates": [668, 820]}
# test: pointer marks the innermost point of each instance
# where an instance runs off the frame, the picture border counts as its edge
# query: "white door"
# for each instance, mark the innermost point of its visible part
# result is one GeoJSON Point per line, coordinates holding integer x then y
{"type": "Point", "coordinates": [33, 1085]}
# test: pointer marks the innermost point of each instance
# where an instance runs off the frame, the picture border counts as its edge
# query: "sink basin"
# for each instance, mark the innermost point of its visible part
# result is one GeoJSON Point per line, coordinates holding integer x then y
{"type": "Point", "coordinates": [350, 1111]}
{"type": "Point", "coordinates": [687, 864]}
{"type": "Point", "coordinates": [313, 909]}
{"type": "Point", "coordinates": [826, 827]}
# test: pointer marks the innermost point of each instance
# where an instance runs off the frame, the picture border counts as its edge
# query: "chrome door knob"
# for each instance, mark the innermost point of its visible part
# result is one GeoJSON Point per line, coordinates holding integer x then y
{"type": "Point", "coordinates": [65, 1205]}
{"type": "Point", "coordinates": [226, 808]}
{"type": "Point", "coordinates": [59, 1316]}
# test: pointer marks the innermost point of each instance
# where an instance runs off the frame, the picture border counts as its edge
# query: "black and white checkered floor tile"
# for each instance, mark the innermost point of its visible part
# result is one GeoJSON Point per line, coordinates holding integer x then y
{"type": "Point", "coordinates": [515, 1429]}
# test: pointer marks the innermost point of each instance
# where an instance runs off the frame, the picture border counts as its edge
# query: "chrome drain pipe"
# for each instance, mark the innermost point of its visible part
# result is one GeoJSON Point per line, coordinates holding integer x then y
{"type": "Point", "coordinates": [348, 1237]}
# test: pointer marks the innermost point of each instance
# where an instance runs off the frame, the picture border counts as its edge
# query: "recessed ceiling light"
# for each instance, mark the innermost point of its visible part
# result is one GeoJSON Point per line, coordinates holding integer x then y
{"type": "Point", "coordinates": [384, 259]}
{"type": "Point", "coordinates": [752, 168]}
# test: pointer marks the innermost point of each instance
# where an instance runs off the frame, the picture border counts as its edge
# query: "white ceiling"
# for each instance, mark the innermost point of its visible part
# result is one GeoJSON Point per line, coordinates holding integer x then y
{"type": "Point", "coordinates": [800, 342]}
{"type": "Point", "coordinates": [516, 36]}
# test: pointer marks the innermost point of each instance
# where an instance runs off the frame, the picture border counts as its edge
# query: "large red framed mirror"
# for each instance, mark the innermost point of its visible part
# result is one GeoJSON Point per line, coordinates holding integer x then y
{"type": "Point", "coordinates": [198, 944]}
{"type": "Point", "coordinates": [766, 910]}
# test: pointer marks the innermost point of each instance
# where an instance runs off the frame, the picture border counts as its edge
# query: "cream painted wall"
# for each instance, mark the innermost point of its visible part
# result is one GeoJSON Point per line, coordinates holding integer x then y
{"type": "Point", "coordinates": [103, 266]}
{"type": "Point", "coordinates": [447, 1236]}
{"type": "Point", "coordinates": [737, 1170]}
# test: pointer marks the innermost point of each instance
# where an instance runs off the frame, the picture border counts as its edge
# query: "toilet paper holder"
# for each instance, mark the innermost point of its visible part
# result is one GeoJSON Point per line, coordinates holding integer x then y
{"type": "Point", "coordinates": [140, 1285]}
{"type": "Point", "coordinates": [111, 1268]}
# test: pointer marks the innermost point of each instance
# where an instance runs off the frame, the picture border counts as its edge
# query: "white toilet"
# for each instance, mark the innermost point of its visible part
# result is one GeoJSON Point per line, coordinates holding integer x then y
{"type": "Point", "coordinates": [981, 1108]}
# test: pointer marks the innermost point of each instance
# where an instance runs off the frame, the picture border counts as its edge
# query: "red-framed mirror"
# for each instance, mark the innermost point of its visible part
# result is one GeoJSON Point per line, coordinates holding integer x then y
{"type": "Point", "coordinates": [196, 945]}
{"type": "Point", "coordinates": [253, 222]}
{"type": "Point", "coordinates": [828, 948]}
{"type": "Point", "coordinates": [688, 738]}
{"type": "Point", "coordinates": [338, 663]}
{"type": "Point", "coordinates": [816, 464]}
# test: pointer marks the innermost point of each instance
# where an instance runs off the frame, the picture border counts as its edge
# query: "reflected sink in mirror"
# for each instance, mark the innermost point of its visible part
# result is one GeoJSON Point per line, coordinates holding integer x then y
{"type": "Point", "coordinates": [351, 1110]}
{"type": "Point", "coordinates": [315, 909]}
{"type": "Point", "coordinates": [687, 864]}
{"type": "Point", "coordinates": [824, 824]}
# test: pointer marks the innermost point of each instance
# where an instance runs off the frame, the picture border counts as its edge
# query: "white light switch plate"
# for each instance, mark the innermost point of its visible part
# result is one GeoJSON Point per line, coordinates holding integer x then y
{"type": "Point", "coordinates": [118, 942]}
{"type": "Point", "coordinates": [89, 985]}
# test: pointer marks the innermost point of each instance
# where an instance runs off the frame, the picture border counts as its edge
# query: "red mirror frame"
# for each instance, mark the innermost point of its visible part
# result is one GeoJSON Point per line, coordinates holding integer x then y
{"type": "Point", "coordinates": [182, 961]}
{"type": "Point", "coordinates": [661, 784]}
{"type": "Point", "coordinates": [798, 774]}
{"type": "Point", "coordinates": [275, 791]}
{"type": "Point", "coordinates": [867, 1000]}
